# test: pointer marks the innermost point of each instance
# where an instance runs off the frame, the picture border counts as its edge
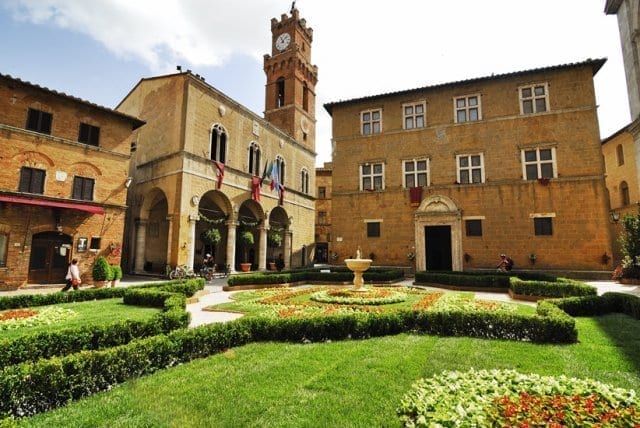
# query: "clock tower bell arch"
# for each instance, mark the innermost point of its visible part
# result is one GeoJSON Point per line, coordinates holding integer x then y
{"type": "Point", "coordinates": [291, 79]}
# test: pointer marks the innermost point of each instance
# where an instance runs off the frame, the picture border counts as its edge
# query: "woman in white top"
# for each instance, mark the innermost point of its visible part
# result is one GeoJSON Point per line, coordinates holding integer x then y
{"type": "Point", "coordinates": [73, 276]}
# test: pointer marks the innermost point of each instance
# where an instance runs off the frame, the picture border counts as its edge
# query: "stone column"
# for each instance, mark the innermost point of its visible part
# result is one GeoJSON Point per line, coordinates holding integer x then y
{"type": "Point", "coordinates": [193, 218]}
{"type": "Point", "coordinates": [231, 244]}
{"type": "Point", "coordinates": [287, 248]}
{"type": "Point", "coordinates": [169, 238]}
{"type": "Point", "coordinates": [141, 237]}
{"type": "Point", "coordinates": [262, 256]}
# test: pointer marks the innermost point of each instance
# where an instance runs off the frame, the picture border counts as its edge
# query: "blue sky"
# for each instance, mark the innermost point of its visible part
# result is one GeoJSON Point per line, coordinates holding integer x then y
{"type": "Point", "coordinates": [98, 50]}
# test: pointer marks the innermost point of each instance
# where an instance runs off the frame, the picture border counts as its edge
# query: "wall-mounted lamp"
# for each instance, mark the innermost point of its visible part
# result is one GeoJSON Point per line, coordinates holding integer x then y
{"type": "Point", "coordinates": [614, 216]}
{"type": "Point", "coordinates": [128, 182]}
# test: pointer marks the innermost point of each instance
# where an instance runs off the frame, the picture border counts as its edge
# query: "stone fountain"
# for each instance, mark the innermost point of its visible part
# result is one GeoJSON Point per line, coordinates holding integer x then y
{"type": "Point", "coordinates": [358, 265]}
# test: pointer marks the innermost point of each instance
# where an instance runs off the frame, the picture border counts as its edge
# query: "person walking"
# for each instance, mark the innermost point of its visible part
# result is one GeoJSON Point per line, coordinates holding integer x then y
{"type": "Point", "coordinates": [73, 276]}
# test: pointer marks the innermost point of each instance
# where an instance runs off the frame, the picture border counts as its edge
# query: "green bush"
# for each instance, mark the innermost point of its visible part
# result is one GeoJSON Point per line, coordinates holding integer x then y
{"type": "Point", "coordinates": [474, 280]}
{"type": "Point", "coordinates": [302, 275]}
{"type": "Point", "coordinates": [117, 271]}
{"type": "Point", "coordinates": [101, 270]}
{"type": "Point", "coordinates": [171, 297]}
{"type": "Point", "coordinates": [599, 305]}
{"type": "Point", "coordinates": [561, 288]}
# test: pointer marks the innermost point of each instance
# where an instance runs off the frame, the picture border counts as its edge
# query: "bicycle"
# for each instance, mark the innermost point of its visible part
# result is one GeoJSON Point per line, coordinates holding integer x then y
{"type": "Point", "coordinates": [181, 272]}
{"type": "Point", "coordinates": [207, 273]}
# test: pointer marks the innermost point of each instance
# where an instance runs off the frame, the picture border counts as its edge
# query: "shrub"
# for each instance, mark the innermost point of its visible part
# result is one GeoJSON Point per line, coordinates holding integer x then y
{"type": "Point", "coordinates": [561, 288]}
{"type": "Point", "coordinates": [101, 270]}
{"type": "Point", "coordinates": [463, 279]}
{"type": "Point", "coordinates": [117, 271]}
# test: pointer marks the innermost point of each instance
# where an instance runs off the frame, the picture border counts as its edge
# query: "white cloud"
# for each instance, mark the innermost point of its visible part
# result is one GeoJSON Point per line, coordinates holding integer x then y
{"type": "Point", "coordinates": [362, 47]}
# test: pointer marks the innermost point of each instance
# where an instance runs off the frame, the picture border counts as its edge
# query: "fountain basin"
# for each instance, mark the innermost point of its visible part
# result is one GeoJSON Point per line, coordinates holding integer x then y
{"type": "Point", "coordinates": [358, 264]}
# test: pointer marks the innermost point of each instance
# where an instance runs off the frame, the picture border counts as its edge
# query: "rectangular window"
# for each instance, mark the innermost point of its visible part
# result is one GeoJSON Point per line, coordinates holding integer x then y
{"type": "Point", "coordinates": [372, 176]}
{"type": "Point", "coordinates": [39, 121]}
{"type": "Point", "coordinates": [83, 188]}
{"type": "Point", "coordinates": [473, 227]}
{"type": "Point", "coordinates": [413, 115]}
{"type": "Point", "coordinates": [534, 99]}
{"type": "Point", "coordinates": [373, 230]}
{"type": "Point", "coordinates": [95, 243]}
{"type": "Point", "coordinates": [322, 217]}
{"type": "Point", "coordinates": [467, 109]}
{"type": "Point", "coordinates": [322, 192]}
{"type": "Point", "coordinates": [31, 180]}
{"type": "Point", "coordinates": [371, 121]}
{"type": "Point", "coordinates": [416, 173]}
{"type": "Point", "coordinates": [543, 226]}
{"type": "Point", "coordinates": [4, 241]}
{"type": "Point", "coordinates": [539, 163]}
{"type": "Point", "coordinates": [470, 168]}
{"type": "Point", "coordinates": [89, 134]}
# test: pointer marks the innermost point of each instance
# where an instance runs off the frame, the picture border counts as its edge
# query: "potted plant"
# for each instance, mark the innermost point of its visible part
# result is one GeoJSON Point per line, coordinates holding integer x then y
{"type": "Point", "coordinates": [117, 275]}
{"type": "Point", "coordinates": [211, 236]}
{"type": "Point", "coordinates": [247, 240]}
{"type": "Point", "coordinates": [274, 240]}
{"type": "Point", "coordinates": [101, 272]}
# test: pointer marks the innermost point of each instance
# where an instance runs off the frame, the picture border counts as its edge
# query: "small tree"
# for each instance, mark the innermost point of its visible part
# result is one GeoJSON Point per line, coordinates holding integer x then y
{"type": "Point", "coordinates": [274, 239]}
{"type": "Point", "coordinates": [102, 270]}
{"type": "Point", "coordinates": [247, 241]}
{"type": "Point", "coordinates": [630, 246]}
{"type": "Point", "coordinates": [211, 236]}
{"type": "Point", "coordinates": [117, 271]}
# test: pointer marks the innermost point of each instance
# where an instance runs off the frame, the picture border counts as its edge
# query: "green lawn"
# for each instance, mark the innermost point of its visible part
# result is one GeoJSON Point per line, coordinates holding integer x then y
{"type": "Point", "coordinates": [340, 384]}
{"type": "Point", "coordinates": [90, 312]}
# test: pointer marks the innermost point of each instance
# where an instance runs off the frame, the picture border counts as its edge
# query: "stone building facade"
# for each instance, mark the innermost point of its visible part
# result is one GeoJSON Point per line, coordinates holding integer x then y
{"type": "Point", "coordinates": [204, 162]}
{"type": "Point", "coordinates": [323, 213]}
{"type": "Point", "coordinates": [63, 174]}
{"type": "Point", "coordinates": [450, 176]}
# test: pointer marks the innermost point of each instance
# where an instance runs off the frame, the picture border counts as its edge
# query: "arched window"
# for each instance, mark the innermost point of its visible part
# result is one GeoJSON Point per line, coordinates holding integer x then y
{"type": "Point", "coordinates": [280, 92]}
{"type": "Point", "coordinates": [304, 181]}
{"type": "Point", "coordinates": [218, 143]}
{"type": "Point", "coordinates": [254, 158]}
{"type": "Point", "coordinates": [280, 163]}
{"type": "Point", "coordinates": [305, 96]}
{"type": "Point", "coordinates": [620, 154]}
{"type": "Point", "coordinates": [624, 193]}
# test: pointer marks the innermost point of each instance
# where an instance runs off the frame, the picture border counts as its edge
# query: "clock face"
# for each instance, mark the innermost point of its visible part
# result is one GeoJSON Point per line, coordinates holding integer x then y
{"type": "Point", "coordinates": [283, 41]}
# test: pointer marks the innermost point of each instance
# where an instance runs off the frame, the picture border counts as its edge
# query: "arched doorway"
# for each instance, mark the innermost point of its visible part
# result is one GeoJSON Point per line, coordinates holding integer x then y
{"type": "Point", "coordinates": [153, 255]}
{"type": "Point", "coordinates": [211, 229]}
{"type": "Point", "coordinates": [250, 216]}
{"type": "Point", "coordinates": [49, 259]}
{"type": "Point", "coordinates": [278, 228]}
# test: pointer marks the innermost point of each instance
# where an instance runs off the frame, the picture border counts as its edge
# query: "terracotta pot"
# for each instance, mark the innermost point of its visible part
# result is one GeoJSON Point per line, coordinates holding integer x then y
{"type": "Point", "coordinates": [245, 267]}
{"type": "Point", "coordinates": [271, 266]}
{"type": "Point", "coordinates": [100, 284]}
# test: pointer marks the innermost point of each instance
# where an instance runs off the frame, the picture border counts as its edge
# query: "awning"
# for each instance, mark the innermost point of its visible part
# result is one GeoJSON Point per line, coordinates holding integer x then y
{"type": "Point", "coordinates": [54, 204]}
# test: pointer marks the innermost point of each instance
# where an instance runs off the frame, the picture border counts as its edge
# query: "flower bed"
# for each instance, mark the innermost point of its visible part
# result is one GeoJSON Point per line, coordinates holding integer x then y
{"type": "Point", "coordinates": [29, 318]}
{"type": "Point", "coordinates": [508, 398]}
{"type": "Point", "coordinates": [377, 296]}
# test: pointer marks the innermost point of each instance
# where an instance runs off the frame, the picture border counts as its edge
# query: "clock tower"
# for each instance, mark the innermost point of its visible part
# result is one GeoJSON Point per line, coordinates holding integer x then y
{"type": "Point", "coordinates": [291, 79]}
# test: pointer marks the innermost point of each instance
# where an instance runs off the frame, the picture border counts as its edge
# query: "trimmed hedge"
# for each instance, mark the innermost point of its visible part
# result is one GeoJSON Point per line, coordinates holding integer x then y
{"type": "Point", "coordinates": [599, 305]}
{"type": "Point", "coordinates": [464, 279]}
{"type": "Point", "coordinates": [336, 275]}
{"type": "Point", "coordinates": [67, 341]}
{"type": "Point", "coordinates": [34, 387]}
{"type": "Point", "coordinates": [524, 283]}
{"type": "Point", "coordinates": [561, 288]}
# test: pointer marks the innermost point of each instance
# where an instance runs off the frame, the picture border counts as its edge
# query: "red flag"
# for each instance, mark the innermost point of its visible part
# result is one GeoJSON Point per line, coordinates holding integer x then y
{"type": "Point", "coordinates": [219, 172]}
{"type": "Point", "coordinates": [281, 192]}
{"type": "Point", "coordinates": [255, 188]}
{"type": "Point", "coordinates": [415, 195]}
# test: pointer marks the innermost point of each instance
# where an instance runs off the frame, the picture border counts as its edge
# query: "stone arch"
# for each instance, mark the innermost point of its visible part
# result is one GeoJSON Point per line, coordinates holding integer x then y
{"type": "Point", "coordinates": [251, 218]}
{"type": "Point", "coordinates": [279, 227]}
{"type": "Point", "coordinates": [153, 233]}
{"type": "Point", "coordinates": [214, 212]}
{"type": "Point", "coordinates": [439, 214]}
